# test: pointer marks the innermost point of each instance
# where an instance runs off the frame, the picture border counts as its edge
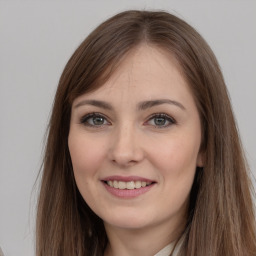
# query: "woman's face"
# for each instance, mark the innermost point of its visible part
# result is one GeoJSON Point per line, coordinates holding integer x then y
{"type": "Point", "coordinates": [134, 143]}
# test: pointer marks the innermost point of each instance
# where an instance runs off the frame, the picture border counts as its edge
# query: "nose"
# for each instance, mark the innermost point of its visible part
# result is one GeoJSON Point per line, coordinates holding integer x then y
{"type": "Point", "coordinates": [125, 147]}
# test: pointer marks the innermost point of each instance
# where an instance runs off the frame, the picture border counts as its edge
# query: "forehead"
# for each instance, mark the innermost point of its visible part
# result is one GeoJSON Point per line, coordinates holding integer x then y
{"type": "Point", "coordinates": [145, 71]}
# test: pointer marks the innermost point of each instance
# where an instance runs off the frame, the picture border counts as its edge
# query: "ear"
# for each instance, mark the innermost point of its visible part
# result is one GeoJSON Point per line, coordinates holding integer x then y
{"type": "Point", "coordinates": [200, 159]}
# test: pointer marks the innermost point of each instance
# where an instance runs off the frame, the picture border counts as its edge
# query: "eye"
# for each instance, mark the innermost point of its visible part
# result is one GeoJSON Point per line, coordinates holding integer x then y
{"type": "Point", "coordinates": [160, 120]}
{"type": "Point", "coordinates": [94, 119]}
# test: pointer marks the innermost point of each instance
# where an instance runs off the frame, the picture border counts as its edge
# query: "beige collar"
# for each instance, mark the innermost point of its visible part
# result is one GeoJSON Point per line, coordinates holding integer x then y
{"type": "Point", "coordinates": [166, 251]}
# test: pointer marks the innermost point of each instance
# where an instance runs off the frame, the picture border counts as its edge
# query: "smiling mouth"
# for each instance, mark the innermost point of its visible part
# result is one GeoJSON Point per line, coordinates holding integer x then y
{"type": "Point", "coordinates": [128, 185]}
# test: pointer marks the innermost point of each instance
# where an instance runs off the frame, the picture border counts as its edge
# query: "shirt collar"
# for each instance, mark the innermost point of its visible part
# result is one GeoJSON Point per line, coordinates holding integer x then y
{"type": "Point", "coordinates": [166, 251]}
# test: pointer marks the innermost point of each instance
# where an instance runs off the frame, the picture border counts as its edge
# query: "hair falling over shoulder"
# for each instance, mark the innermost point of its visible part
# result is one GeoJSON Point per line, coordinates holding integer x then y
{"type": "Point", "coordinates": [221, 218]}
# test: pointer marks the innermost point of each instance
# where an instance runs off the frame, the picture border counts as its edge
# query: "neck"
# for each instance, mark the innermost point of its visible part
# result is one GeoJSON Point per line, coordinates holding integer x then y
{"type": "Point", "coordinates": [140, 242]}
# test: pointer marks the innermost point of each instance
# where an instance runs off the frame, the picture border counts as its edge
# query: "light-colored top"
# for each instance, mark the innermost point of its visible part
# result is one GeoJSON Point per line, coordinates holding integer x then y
{"type": "Point", "coordinates": [168, 249]}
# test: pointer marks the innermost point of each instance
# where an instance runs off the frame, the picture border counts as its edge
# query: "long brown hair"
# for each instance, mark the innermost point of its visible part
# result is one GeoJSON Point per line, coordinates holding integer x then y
{"type": "Point", "coordinates": [221, 217]}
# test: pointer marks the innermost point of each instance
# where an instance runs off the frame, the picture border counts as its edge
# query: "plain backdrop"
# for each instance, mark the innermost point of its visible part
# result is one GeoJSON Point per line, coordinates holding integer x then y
{"type": "Point", "coordinates": [36, 40]}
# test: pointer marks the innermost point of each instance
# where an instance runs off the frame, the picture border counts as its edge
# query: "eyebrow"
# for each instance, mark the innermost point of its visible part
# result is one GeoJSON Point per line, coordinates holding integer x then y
{"type": "Point", "coordinates": [97, 103]}
{"type": "Point", "coordinates": [141, 106]}
{"type": "Point", "coordinates": [151, 103]}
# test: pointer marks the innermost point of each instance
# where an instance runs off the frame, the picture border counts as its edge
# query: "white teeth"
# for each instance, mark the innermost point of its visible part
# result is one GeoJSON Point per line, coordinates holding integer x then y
{"type": "Point", "coordinates": [137, 184]}
{"type": "Point", "coordinates": [122, 185]}
{"type": "Point", "coordinates": [128, 185]}
{"type": "Point", "coordinates": [115, 184]}
{"type": "Point", "coordinates": [143, 183]}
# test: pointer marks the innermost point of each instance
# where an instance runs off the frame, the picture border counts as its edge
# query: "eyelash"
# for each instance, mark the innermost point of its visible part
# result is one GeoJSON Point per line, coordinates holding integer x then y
{"type": "Point", "coordinates": [85, 120]}
{"type": "Point", "coordinates": [162, 115]}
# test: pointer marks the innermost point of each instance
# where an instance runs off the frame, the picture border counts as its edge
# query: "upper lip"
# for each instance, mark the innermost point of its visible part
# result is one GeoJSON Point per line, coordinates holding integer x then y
{"type": "Point", "coordinates": [127, 178]}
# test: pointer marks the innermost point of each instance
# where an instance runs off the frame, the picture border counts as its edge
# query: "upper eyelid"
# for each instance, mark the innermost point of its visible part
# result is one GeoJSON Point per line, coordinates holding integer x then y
{"type": "Point", "coordinates": [162, 115]}
{"type": "Point", "coordinates": [94, 114]}
{"type": "Point", "coordinates": [89, 115]}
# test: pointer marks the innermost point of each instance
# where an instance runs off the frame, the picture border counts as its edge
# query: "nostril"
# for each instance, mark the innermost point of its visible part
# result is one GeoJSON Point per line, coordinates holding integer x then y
{"type": "Point", "coordinates": [124, 162]}
{"type": "Point", "coordinates": [127, 157]}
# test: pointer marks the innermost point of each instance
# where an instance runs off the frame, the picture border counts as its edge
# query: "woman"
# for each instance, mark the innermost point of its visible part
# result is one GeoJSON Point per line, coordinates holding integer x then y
{"type": "Point", "coordinates": [143, 155]}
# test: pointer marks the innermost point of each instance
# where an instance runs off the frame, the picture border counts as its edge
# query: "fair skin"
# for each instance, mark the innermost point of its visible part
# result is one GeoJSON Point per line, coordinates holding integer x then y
{"type": "Point", "coordinates": [135, 145]}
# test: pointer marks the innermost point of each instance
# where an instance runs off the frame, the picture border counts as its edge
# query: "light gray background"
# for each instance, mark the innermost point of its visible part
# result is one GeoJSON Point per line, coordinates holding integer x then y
{"type": "Point", "coordinates": [36, 40]}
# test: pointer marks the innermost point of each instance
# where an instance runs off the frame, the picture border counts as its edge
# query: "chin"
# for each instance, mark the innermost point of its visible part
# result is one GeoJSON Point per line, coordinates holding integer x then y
{"type": "Point", "coordinates": [128, 220]}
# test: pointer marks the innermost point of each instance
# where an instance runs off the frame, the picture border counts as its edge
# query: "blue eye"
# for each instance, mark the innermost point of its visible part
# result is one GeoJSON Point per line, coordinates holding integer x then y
{"type": "Point", "coordinates": [94, 119]}
{"type": "Point", "coordinates": [161, 120]}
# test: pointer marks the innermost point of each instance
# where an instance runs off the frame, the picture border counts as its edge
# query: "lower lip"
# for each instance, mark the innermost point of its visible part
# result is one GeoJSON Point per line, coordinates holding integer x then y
{"type": "Point", "coordinates": [127, 193]}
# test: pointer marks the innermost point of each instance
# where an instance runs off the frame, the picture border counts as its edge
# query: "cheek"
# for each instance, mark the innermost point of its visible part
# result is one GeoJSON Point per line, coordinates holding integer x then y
{"type": "Point", "coordinates": [177, 156]}
{"type": "Point", "coordinates": [177, 166]}
{"type": "Point", "coordinates": [176, 162]}
{"type": "Point", "coordinates": [86, 155]}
